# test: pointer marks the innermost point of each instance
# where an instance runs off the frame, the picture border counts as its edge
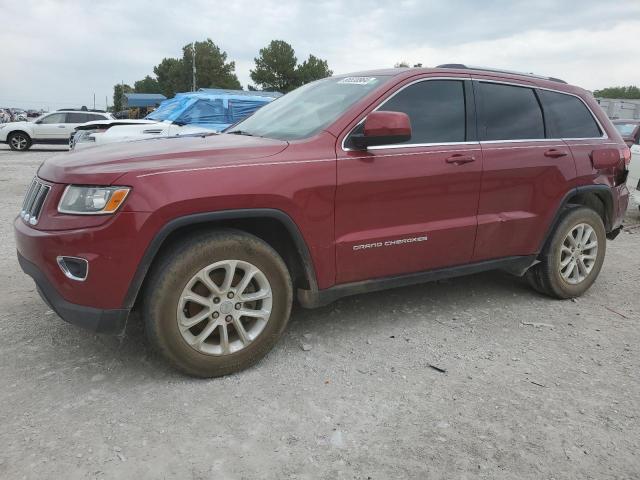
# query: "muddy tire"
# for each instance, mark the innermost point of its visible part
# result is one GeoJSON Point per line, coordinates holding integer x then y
{"type": "Point", "coordinates": [573, 256]}
{"type": "Point", "coordinates": [217, 303]}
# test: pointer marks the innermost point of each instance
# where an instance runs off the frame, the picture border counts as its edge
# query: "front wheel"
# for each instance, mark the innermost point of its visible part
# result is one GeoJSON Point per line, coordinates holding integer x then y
{"type": "Point", "coordinates": [217, 303]}
{"type": "Point", "coordinates": [572, 260]}
{"type": "Point", "coordinates": [19, 141]}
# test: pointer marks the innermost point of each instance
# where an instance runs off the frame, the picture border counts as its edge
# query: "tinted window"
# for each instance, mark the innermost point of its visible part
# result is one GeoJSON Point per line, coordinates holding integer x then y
{"type": "Point", "coordinates": [509, 113]}
{"type": "Point", "coordinates": [435, 108]}
{"type": "Point", "coordinates": [77, 118]}
{"type": "Point", "coordinates": [53, 118]}
{"type": "Point", "coordinates": [91, 117]}
{"type": "Point", "coordinates": [568, 117]}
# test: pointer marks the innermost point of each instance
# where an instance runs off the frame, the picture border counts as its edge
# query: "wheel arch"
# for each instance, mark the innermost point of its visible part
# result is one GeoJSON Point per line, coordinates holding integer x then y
{"type": "Point", "coordinates": [597, 197]}
{"type": "Point", "coordinates": [271, 225]}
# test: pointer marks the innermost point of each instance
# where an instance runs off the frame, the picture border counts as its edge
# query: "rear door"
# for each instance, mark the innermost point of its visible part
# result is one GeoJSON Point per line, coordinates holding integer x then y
{"type": "Point", "coordinates": [525, 173]}
{"type": "Point", "coordinates": [412, 206]}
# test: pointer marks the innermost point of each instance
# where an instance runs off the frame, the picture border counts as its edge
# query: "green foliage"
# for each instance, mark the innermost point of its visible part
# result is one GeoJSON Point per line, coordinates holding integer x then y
{"type": "Point", "coordinates": [618, 92]}
{"type": "Point", "coordinates": [277, 70]}
{"type": "Point", "coordinates": [118, 95]}
{"type": "Point", "coordinates": [174, 75]}
{"type": "Point", "coordinates": [212, 68]}
{"type": "Point", "coordinates": [313, 69]}
{"type": "Point", "coordinates": [146, 85]}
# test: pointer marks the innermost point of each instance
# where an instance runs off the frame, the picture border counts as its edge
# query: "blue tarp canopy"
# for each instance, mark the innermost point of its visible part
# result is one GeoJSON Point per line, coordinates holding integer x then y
{"type": "Point", "coordinates": [143, 99]}
{"type": "Point", "coordinates": [214, 109]}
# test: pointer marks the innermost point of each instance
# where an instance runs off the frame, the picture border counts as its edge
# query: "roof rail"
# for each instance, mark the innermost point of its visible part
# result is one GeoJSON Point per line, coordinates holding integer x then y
{"type": "Point", "coordinates": [497, 70]}
{"type": "Point", "coordinates": [84, 109]}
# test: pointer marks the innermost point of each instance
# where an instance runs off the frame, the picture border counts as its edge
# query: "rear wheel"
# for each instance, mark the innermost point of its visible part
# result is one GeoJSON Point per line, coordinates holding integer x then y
{"type": "Point", "coordinates": [573, 257]}
{"type": "Point", "coordinates": [19, 141]}
{"type": "Point", "coordinates": [218, 303]}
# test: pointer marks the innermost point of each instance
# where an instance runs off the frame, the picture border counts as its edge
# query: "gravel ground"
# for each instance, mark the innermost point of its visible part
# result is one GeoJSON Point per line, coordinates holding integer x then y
{"type": "Point", "coordinates": [532, 389]}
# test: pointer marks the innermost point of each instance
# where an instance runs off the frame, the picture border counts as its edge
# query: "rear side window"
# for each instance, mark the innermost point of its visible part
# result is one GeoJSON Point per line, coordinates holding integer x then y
{"type": "Point", "coordinates": [567, 116]}
{"type": "Point", "coordinates": [436, 109]}
{"type": "Point", "coordinates": [509, 113]}
{"type": "Point", "coordinates": [76, 118]}
{"type": "Point", "coordinates": [93, 116]}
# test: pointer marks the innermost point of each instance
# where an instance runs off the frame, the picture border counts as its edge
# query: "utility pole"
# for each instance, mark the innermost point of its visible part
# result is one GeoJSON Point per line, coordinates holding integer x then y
{"type": "Point", "coordinates": [193, 62]}
{"type": "Point", "coordinates": [94, 100]}
{"type": "Point", "coordinates": [106, 103]}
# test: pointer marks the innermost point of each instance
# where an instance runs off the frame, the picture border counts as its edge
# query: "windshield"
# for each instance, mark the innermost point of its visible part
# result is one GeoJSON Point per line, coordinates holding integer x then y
{"type": "Point", "coordinates": [625, 129]}
{"type": "Point", "coordinates": [168, 109]}
{"type": "Point", "coordinates": [308, 109]}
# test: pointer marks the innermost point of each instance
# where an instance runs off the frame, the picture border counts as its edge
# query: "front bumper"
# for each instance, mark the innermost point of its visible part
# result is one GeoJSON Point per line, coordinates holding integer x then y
{"type": "Point", "coordinates": [95, 319]}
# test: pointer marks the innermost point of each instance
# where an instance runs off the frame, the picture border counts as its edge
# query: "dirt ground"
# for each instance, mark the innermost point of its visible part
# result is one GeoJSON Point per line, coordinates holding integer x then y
{"type": "Point", "coordinates": [533, 388]}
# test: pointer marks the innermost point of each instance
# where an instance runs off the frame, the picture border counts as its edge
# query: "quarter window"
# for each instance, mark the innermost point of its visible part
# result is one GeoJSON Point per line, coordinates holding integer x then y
{"type": "Point", "coordinates": [435, 108]}
{"type": "Point", "coordinates": [568, 117]}
{"type": "Point", "coordinates": [509, 113]}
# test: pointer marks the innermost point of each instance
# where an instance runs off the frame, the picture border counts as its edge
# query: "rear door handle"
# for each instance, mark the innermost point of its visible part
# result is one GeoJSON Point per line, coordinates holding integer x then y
{"type": "Point", "coordinates": [553, 153]}
{"type": "Point", "coordinates": [62, 126]}
{"type": "Point", "coordinates": [459, 159]}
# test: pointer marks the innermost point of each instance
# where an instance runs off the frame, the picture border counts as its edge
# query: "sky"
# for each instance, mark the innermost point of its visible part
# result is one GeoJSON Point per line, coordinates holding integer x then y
{"type": "Point", "coordinates": [60, 53]}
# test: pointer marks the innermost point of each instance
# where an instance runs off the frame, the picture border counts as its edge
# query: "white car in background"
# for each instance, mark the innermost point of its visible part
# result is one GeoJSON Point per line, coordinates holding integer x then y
{"type": "Point", "coordinates": [51, 128]}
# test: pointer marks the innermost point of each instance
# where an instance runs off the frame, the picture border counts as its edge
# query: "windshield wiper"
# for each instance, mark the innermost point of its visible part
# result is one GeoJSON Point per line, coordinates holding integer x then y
{"type": "Point", "coordinates": [240, 132]}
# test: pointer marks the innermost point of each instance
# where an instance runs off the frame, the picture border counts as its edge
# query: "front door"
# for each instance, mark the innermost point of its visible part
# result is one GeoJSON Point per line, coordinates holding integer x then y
{"type": "Point", "coordinates": [412, 206]}
{"type": "Point", "coordinates": [52, 127]}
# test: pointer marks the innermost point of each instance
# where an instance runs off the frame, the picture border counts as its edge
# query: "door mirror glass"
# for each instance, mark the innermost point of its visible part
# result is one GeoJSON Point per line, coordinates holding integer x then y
{"type": "Point", "coordinates": [383, 128]}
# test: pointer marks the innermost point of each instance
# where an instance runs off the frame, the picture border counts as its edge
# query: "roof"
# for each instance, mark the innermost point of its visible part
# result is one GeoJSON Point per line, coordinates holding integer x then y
{"type": "Point", "coordinates": [248, 93]}
{"type": "Point", "coordinates": [408, 72]}
{"type": "Point", "coordinates": [143, 99]}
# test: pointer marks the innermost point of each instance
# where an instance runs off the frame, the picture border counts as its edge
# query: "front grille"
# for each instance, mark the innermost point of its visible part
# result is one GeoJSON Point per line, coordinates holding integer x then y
{"type": "Point", "coordinates": [34, 200]}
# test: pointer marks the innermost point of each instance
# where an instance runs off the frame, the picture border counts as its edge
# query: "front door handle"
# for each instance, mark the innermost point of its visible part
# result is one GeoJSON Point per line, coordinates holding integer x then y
{"type": "Point", "coordinates": [459, 159]}
{"type": "Point", "coordinates": [554, 153]}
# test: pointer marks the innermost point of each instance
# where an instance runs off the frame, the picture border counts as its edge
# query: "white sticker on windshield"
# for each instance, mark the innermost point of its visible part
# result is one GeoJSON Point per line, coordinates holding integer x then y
{"type": "Point", "coordinates": [358, 80]}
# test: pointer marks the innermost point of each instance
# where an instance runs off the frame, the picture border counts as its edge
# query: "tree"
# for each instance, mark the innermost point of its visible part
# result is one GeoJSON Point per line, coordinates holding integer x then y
{"type": "Point", "coordinates": [276, 68]}
{"type": "Point", "coordinates": [146, 85]}
{"type": "Point", "coordinates": [118, 95]}
{"type": "Point", "coordinates": [313, 69]}
{"type": "Point", "coordinates": [618, 92]}
{"type": "Point", "coordinates": [170, 73]}
{"type": "Point", "coordinates": [212, 68]}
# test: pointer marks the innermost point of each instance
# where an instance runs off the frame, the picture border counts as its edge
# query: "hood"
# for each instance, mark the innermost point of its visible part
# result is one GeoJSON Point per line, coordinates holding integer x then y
{"type": "Point", "coordinates": [103, 165]}
{"type": "Point", "coordinates": [107, 123]}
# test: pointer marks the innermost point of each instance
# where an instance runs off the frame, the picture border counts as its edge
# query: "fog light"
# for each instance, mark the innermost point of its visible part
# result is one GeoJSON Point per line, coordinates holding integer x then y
{"type": "Point", "coordinates": [74, 268]}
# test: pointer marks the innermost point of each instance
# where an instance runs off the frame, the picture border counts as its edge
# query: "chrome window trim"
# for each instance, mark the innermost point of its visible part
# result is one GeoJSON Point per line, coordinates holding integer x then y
{"type": "Point", "coordinates": [535, 87]}
{"type": "Point", "coordinates": [472, 78]}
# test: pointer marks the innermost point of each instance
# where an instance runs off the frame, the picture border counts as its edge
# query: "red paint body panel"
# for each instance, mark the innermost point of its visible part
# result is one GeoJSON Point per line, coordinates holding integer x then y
{"type": "Point", "coordinates": [501, 203]}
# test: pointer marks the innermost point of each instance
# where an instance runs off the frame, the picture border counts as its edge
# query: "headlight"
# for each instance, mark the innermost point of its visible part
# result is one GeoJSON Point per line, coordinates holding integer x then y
{"type": "Point", "coordinates": [82, 200]}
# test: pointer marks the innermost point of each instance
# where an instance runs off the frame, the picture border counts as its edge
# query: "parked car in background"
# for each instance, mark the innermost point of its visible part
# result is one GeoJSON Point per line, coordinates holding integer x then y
{"type": "Point", "coordinates": [33, 113]}
{"type": "Point", "coordinates": [207, 111]}
{"type": "Point", "coordinates": [51, 128]}
{"type": "Point", "coordinates": [349, 184]}
{"type": "Point", "coordinates": [18, 115]}
{"type": "Point", "coordinates": [5, 115]}
{"type": "Point", "coordinates": [630, 133]}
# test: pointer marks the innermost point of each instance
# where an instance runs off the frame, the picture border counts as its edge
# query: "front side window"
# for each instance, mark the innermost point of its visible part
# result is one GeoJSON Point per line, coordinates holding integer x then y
{"type": "Point", "coordinates": [568, 116]}
{"type": "Point", "coordinates": [53, 118]}
{"type": "Point", "coordinates": [435, 108]}
{"type": "Point", "coordinates": [509, 113]}
{"type": "Point", "coordinates": [308, 109]}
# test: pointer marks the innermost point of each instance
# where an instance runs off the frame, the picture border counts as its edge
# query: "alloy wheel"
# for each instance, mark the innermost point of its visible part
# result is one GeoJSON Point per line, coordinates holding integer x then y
{"type": "Point", "coordinates": [578, 253]}
{"type": "Point", "coordinates": [224, 307]}
{"type": "Point", "coordinates": [19, 142]}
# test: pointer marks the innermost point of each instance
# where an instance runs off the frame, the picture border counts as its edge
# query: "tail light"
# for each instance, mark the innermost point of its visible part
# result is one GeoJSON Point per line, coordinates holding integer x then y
{"type": "Point", "coordinates": [626, 155]}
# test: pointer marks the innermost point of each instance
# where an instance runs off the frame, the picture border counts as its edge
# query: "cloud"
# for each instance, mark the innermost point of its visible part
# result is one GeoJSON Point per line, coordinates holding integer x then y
{"type": "Point", "coordinates": [61, 52]}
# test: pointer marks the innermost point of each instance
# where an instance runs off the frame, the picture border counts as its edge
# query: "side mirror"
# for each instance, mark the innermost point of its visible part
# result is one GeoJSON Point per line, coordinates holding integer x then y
{"type": "Point", "coordinates": [383, 128]}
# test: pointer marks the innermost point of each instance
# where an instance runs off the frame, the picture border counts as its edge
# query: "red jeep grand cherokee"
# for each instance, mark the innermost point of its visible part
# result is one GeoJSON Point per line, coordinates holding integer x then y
{"type": "Point", "coordinates": [346, 185]}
